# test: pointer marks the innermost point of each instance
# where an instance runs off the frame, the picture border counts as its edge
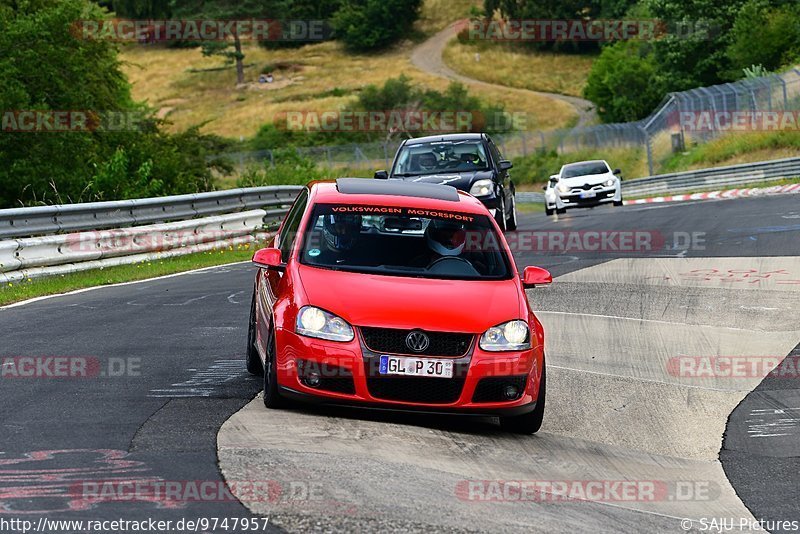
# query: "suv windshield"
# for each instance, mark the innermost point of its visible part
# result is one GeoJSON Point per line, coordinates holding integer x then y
{"type": "Point", "coordinates": [404, 242]}
{"type": "Point", "coordinates": [441, 156]}
{"type": "Point", "coordinates": [584, 169]}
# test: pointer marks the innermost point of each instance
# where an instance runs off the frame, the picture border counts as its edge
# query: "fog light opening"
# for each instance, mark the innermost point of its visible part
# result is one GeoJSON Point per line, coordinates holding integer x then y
{"type": "Point", "coordinates": [511, 392]}
{"type": "Point", "coordinates": [312, 379]}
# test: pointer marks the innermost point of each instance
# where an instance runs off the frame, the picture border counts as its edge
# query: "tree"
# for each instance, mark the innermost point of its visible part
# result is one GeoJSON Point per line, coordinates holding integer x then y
{"type": "Point", "coordinates": [46, 66]}
{"type": "Point", "coordinates": [365, 25]}
{"type": "Point", "coordinates": [229, 10]}
{"type": "Point", "coordinates": [778, 42]}
{"type": "Point", "coordinates": [141, 9]}
{"type": "Point", "coordinates": [696, 56]}
{"type": "Point", "coordinates": [624, 82]}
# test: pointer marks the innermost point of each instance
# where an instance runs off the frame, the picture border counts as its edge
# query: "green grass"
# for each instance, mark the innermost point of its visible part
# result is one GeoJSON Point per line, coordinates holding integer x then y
{"type": "Point", "coordinates": [736, 148]}
{"type": "Point", "coordinates": [38, 287]}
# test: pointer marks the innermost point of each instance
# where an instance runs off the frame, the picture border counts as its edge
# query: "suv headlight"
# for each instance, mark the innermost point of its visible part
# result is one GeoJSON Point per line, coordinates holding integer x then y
{"type": "Point", "coordinates": [481, 188]}
{"type": "Point", "coordinates": [513, 335]}
{"type": "Point", "coordinates": [563, 188]}
{"type": "Point", "coordinates": [610, 182]}
{"type": "Point", "coordinates": [314, 322]}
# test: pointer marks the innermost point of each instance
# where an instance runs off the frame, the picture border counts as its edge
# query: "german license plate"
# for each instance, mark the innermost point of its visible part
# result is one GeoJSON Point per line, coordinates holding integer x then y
{"type": "Point", "coordinates": [588, 194]}
{"type": "Point", "coordinates": [396, 365]}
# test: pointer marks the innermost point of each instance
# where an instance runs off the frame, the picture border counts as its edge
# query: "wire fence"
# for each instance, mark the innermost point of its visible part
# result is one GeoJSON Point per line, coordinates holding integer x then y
{"type": "Point", "coordinates": [683, 119]}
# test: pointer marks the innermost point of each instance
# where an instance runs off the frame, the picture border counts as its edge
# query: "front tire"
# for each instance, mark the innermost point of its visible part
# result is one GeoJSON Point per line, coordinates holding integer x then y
{"type": "Point", "coordinates": [561, 211]}
{"type": "Point", "coordinates": [511, 222]}
{"type": "Point", "coordinates": [500, 216]}
{"type": "Point", "coordinates": [548, 211]}
{"type": "Point", "coordinates": [272, 397]}
{"type": "Point", "coordinates": [531, 422]}
{"type": "Point", "coordinates": [254, 365]}
{"type": "Point", "coordinates": [617, 204]}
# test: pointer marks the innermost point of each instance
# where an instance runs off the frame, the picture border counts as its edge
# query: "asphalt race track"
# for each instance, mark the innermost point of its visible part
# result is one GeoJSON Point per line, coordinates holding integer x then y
{"type": "Point", "coordinates": [167, 398]}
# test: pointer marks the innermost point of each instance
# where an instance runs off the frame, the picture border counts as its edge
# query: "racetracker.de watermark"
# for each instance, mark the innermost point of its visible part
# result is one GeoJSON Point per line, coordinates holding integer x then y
{"type": "Point", "coordinates": [400, 120]}
{"type": "Point", "coordinates": [583, 30]}
{"type": "Point", "coordinates": [614, 491]}
{"type": "Point", "coordinates": [67, 367]}
{"type": "Point", "coordinates": [734, 366]}
{"type": "Point", "coordinates": [81, 121]}
{"type": "Point", "coordinates": [587, 241]}
{"type": "Point", "coordinates": [735, 121]}
{"type": "Point", "coordinates": [202, 30]}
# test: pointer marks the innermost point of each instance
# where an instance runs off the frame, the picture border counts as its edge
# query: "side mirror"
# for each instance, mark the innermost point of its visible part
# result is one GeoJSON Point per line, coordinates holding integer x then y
{"type": "Point", "coordinates": [618, 171]}
{"type": "Point", "coordinates": [536, 276]}
{"type": "Point", "coordinates": [269, 258]}
{"type": "Point", "coordinates": [505, 165]}
{"type": "Point", "coordinates": [381, 175]}
{"type": "Point", "coordinates": [544, 188]}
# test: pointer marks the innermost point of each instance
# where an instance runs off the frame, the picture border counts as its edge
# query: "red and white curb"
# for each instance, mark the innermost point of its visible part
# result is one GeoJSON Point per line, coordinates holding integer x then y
{"type": "Point", "coordinates": [730, 193]}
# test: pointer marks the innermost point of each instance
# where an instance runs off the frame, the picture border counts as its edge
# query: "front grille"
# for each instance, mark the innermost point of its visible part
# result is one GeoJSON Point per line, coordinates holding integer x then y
{"type": "Point", "coordinates": [416, 389]}
{"type": "Point", "coordinates": [392, 341]}
{"type": "Point", "coordinates": [491, 389]}
{"type": "Point", "coordinates": [332, 377]}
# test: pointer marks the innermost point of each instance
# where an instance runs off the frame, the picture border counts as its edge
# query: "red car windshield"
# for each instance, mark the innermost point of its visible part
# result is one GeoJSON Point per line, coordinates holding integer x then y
{"type": "Point", "coordinates": [404, 242]}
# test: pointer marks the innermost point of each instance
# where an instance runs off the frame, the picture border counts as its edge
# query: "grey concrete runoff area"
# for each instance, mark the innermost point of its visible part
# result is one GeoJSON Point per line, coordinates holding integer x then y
{"type": "Point", "coordinates": [640, 433]}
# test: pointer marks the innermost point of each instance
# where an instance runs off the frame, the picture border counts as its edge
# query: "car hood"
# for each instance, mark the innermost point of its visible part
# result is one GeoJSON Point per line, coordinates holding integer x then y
{"type": "Point", "coordinates": [459, 180]}
{"type": "Point", "coordinates": [403, 302]}
{"type": "Point", "coordinates": [591, 179]}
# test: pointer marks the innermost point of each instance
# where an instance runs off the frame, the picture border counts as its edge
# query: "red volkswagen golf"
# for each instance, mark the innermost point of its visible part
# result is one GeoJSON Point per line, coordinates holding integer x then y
{"type": "Point", "coordinates": [397, 295]}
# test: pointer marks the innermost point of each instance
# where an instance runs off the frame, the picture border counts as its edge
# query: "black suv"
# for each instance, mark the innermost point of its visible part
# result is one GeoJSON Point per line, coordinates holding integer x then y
{"type": "Point", "coordinates": [470, 162]}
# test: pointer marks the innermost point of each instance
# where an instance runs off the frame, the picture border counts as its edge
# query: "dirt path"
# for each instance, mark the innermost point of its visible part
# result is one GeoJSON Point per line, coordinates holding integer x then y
{"type": "Point", "coordinates": [428, 57]}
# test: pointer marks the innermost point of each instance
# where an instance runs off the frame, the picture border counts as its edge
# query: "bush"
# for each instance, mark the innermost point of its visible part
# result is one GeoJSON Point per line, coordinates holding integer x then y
{"type": "Point", "coordinates": [624, 83]}
{"type": "Point", "coordinates": [289, 168]}
{"type": "Point", "coordinates": [365, 25]}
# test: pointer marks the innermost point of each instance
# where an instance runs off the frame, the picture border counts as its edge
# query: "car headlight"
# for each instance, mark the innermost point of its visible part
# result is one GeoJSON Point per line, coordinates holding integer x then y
{"type": "Point", "coordinates": [610, 182]}
{"type": "Point", "coordinates": [481, 188]}
{"type": "Point", "coordinates": [563, 188]}
{"type": "Point", "coordinates": [513, 335]}
{"type": "Point", "coordinates": [314, 322]}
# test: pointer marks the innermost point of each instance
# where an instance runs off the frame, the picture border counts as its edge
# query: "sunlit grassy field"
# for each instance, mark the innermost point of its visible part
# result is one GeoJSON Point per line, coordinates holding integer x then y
{"type": "Point", "coordinates": [512, 65]}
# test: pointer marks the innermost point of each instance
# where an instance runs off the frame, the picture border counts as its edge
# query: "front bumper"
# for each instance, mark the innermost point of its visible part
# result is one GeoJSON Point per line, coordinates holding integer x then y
{"type": "Point", "coordinates": [349, 377]}
{"type": "Point", "coordinates": [601, 196]}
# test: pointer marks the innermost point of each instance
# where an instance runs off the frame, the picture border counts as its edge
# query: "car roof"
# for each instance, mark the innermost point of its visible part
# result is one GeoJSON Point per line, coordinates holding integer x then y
{"type": "Point", "coordinates": [400, 193]}
{"type": "Point", "coordinates": [445, 137]}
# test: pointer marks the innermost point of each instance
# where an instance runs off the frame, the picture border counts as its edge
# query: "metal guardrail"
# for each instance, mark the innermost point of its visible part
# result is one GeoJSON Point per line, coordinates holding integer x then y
{"type": "Point", "coordinates": [701, 179]}
{"type": "Point", "coordinates": [47, 240]}
{"type": "Point", "coordinates": [45, 220]}
{"type": "Point", "coordinates": [713, 178]}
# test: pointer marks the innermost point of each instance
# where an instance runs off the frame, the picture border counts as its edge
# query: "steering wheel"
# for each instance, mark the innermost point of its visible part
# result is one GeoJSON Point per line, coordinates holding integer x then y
{"type": "Point", "coordinates": [453, 265]}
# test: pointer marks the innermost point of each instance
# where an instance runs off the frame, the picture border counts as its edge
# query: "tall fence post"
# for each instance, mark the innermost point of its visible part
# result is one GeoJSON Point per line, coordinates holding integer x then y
{"type": "Point", "coordinates": [648, 146]}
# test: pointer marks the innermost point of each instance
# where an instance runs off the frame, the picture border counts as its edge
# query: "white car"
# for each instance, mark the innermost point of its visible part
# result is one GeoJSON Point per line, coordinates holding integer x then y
{"type": "Point", "coordinates": [583, 185]}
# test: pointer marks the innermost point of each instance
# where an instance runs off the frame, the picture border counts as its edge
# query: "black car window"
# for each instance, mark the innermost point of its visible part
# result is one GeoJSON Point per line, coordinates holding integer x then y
{"type": "Point", "coordinates": [403, 241]}
{"type": "Point", "coordinates": [585, 169]}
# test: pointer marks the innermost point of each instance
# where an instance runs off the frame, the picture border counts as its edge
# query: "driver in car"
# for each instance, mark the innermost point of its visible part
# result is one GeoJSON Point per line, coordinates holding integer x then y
{"type": "Point", "coordinates": [428, 162]}
{"type": "Point", "coordinates": [341, 234]}
{"type": "Point", "coordinates": [446, 241]}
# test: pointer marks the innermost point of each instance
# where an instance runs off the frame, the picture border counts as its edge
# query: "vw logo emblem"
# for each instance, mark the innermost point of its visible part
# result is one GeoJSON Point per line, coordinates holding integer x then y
{"type": "Point", "coordinates": [417, 341]}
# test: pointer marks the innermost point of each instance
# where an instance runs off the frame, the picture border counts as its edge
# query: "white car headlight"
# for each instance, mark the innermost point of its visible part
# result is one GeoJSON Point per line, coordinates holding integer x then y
{"type": "Point", "coordinates": [513, 335]}
{"type": "Point", "coordinates": [563, 188]}
{"type": "Point", "coordinates": [610, 182]}
{"type": "Point", "coordinates": [481, 188]}
{"type": "Point", "coordinates": [314, 322]}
